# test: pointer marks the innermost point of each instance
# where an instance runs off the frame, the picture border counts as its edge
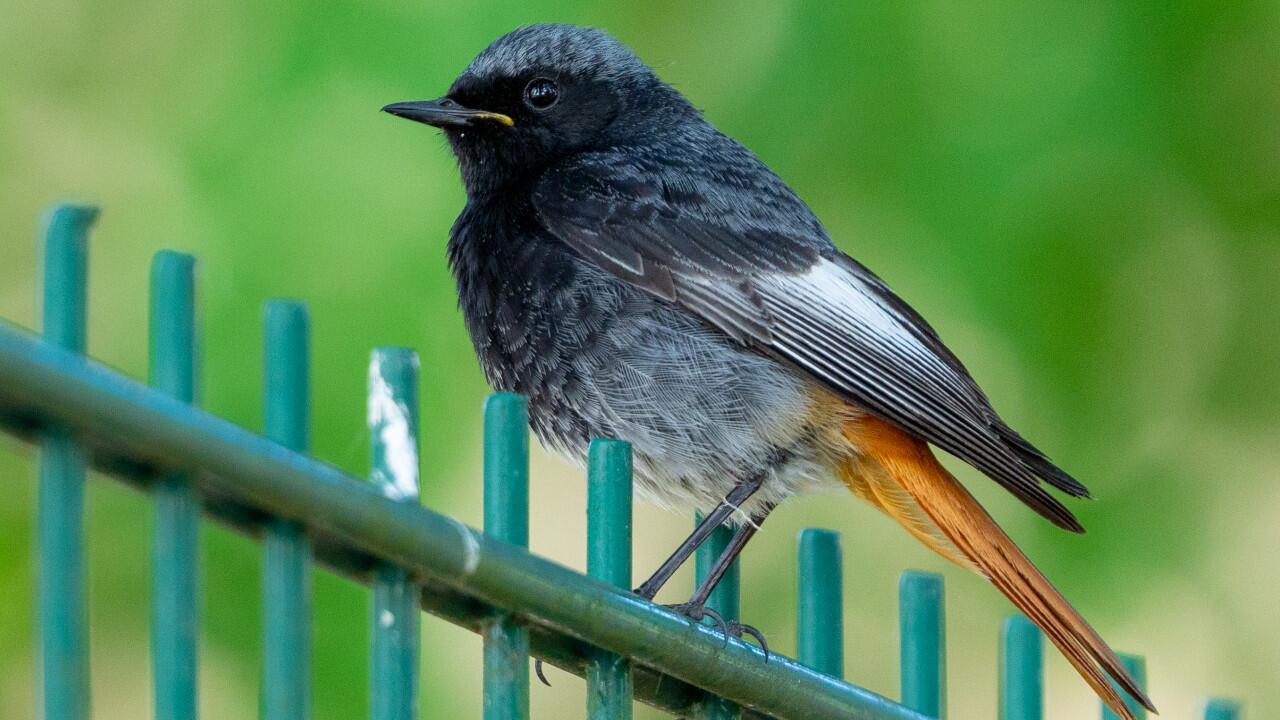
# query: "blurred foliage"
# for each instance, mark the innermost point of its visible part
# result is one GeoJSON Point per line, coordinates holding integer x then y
{"type": "Point", "coordinates": [1082, 197]}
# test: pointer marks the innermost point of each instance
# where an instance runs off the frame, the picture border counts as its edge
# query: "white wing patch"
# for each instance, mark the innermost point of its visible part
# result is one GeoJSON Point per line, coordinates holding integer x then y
{"type": "Point", "coordinates": [843, 296]}
{"type": "Point", "coordinates": [821, 310]}
{"type": "Point", "coordinates": [836, 326]}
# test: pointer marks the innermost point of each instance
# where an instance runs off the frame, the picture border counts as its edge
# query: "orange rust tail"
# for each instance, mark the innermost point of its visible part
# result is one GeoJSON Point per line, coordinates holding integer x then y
{"type": "Point", "coordinates": [967, 528]}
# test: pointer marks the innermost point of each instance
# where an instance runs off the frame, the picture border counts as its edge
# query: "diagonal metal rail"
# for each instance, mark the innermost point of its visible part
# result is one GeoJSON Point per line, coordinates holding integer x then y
{"type": "Point", "coordinates": [245, 480]}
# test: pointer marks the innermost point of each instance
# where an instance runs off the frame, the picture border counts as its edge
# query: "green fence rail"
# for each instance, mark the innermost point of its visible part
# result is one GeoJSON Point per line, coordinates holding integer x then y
{"type": "Point", "coordinates": [81, 413]}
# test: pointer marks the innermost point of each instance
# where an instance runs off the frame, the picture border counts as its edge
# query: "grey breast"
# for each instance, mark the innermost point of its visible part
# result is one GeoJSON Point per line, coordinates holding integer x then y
{"type": "Point", "coordinates": [700, 410]}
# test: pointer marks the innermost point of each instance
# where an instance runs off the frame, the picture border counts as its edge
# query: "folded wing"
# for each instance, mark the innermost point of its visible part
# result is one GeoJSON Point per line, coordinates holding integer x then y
{"type": "Point", "coordinates": [765, 273]}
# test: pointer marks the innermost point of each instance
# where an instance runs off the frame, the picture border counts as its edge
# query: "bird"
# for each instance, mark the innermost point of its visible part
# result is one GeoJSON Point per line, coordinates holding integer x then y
{"type": "Point", "coordinates": [635, 273]}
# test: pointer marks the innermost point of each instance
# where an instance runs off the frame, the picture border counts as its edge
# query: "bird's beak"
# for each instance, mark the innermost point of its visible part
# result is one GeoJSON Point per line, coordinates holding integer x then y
{"type": "Point", "coordinates": [444, 112]}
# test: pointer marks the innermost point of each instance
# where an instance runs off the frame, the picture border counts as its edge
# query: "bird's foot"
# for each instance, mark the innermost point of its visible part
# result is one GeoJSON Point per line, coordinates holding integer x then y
{"type": "Point", "coordinates": [697, 612]}
{"type": "Point", "coordinates": [738, 629]}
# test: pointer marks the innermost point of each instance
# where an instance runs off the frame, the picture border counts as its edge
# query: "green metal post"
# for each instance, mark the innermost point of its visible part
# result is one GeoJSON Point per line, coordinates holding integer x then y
{"type": "Point", "coordinates": [1021, 670]}
{"type": "Point", "coordinates": [922, 628]}
{"type": "Point", "coordinates": [1221, 709]}
{"type": "Point", "coordinates": [175, 540]}
{"type": "Point", "coordinates": [820, 621]}
{"type": "Point", "coordinates": [60, 525]}
{"type": "Point", "coordinates": [393, 425]}
{"type": "Point", "coordinates": [506, 517]}
{"type": "Point", "coordinates": [1137, 667]}
{"type": "Point", "coordinates": [724, 600]}
{"type": "Point", "coordinates": [287, 567]}
{"type": "Point", "coordinates": [609, 687]}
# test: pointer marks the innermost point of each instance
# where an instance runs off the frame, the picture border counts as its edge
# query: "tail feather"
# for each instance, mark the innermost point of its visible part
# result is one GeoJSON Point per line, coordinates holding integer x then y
{"type": "Point", "coordinates": [1040, 463]}
{"type": "Point", "coordinates": [962, 520]}
{"type": "Point", "coordinates": [871, 483]}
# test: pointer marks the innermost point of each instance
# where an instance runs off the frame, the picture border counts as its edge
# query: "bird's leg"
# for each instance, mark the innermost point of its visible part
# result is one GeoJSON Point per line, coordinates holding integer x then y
{"type": "Point", "coordinates": [738, 495]}
{"type": "Point", "coordinates": [696, 609]}
{"type": "Point", "coordinates": [741, 536]}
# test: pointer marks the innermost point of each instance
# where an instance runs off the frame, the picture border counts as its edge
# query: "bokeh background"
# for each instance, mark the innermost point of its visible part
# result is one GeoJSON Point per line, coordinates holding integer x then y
{"type": "Point", "coordinates": [1084, 197]}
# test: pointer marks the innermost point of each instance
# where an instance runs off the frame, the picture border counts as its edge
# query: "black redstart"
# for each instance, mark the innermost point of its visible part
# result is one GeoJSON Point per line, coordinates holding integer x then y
{"type": "Point", "coordinates": [637, 274]}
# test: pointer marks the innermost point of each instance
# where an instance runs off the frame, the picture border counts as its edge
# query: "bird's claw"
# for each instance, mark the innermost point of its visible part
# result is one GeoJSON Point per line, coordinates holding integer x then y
{"type": "Point", "coordinates": [537, 670]}
{"type": "Point", "coordinates": [728, 628]}
{"type": "Point", "coordinates": [698, 611]}
{"type": "Point", "coordinates": [739, 629]}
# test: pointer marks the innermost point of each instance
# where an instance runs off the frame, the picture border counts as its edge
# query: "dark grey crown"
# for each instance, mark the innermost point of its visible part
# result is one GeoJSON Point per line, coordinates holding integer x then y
{"type": "Point", "coordinates": [580, 51]}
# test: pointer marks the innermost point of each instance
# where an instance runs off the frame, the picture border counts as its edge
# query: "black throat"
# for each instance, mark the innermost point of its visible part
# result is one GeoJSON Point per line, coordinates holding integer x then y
{"type": "Point", "coordinates": [514, 281]}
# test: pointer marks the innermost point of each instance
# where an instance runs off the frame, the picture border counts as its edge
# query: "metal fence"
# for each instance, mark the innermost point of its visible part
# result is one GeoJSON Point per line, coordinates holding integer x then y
{"type": "Point", "coordinates": [81, 414]}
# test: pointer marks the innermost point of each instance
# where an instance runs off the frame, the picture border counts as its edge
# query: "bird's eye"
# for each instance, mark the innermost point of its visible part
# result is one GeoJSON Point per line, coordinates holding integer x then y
{"type": "Point", "coordinates": [541, 94]}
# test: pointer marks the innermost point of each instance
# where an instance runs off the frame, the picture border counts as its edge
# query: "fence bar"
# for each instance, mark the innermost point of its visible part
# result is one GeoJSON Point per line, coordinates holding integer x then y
{"type": "Point", "coordinates": [175, 539]}
{"type": "Point", "coordinates": [287, 567]}
{"type": "Point", "coordinates": [393, 425]}
{"type": "Point", "coordinates": [60, 525]}
{"type": "Point", "coordinates": [471, 573]}
{"type": "Point", "coordinates": [724, 600]}
{"type": "Point", "coordinates": [609, 687]}
{"type": "Point", "coordinates": [922, 627]}
{"type": "Point", "coordinates": [1021, 670]}
{"type": "Point", "coordinates": [820, 620]}
{"type": "Point", "coordinates": [1221, 709]}
{"type": "Point", "coordinates": [506, 517]}
{"type": "Point", "coordinates": [1137, 667]}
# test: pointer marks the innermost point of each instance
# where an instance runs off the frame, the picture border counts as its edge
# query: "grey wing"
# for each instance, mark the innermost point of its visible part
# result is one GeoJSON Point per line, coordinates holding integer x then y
{"type": "Point", "coordinates": [763, 271]}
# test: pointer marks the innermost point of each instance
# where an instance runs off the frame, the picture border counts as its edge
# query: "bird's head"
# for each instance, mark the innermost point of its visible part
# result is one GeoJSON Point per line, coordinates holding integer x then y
{"type": "Point", "coordinates": [544, 92]}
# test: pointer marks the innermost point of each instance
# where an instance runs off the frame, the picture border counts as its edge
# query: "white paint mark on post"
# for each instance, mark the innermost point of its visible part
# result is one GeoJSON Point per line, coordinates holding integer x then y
{"type": "Point", "coordinates": [470, 546]}
{"type": "Point", "coordinates": [390, 421]}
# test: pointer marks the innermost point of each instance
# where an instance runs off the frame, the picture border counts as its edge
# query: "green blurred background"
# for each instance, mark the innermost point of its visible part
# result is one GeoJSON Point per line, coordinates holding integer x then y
{"type": "Point", "coordinates": [1083, 197]}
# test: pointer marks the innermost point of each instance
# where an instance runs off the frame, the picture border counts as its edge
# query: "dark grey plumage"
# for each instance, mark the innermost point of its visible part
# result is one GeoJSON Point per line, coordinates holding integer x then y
{"type": "Point", "coordinates": [639, 274]}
